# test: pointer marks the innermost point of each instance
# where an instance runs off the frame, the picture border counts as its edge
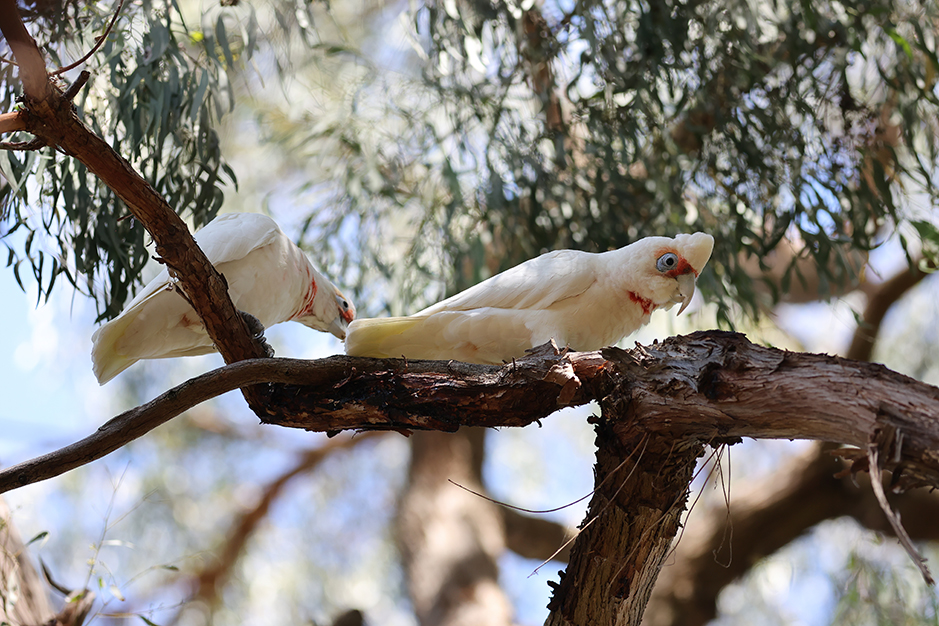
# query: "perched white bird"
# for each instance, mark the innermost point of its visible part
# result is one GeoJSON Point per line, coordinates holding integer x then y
{"type": "Point", "coordinates": [268, 277]}
{"type": "Point", "coordinates": [582, 300]}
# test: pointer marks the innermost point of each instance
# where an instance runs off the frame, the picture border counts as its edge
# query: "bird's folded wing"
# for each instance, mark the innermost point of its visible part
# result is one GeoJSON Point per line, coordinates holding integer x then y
{"type": "Point", "coordinates": [233, 236]}
{"type": "Point", "coordinates": [486, 335]}
{"type": "Point", "coordinates": [535, 284]}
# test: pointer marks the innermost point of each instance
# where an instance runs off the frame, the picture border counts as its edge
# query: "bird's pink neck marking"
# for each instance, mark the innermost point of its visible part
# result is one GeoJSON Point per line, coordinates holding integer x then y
{"type": "Point", "coordinates": [307, 307]}
{"type": "Point", "coordinates": [645, 303]}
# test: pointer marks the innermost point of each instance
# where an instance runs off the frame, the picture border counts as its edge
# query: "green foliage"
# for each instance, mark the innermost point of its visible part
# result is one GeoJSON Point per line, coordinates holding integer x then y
{"type": "Point", "coordinates": [512, 131]}
{"type": "Point", "coordinates": [158, 91]}
{"type": "Point", "coordinates": [875, 594]}
{"type": "Point", "coordinates": [755, 122]}
{"type": "Point", "coordinates": [750, 121]}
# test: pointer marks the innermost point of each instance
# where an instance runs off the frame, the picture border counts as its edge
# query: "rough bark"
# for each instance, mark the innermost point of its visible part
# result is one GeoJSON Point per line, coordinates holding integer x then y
{"type": "Point", "coordinates": [661, 403]}
{"type": "Point", "coordinates": [707, 385]}
{"type": "Point", "coordinates": [719, 545]}
{"type": "Point", "coordinates": [449, 538]}
{"type": "Point", "coordinates": [641, 492]}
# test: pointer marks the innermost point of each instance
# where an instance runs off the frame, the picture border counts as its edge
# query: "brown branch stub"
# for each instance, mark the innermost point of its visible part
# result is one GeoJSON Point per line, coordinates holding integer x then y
{"type": "Point", "coordinates": [12, 122]}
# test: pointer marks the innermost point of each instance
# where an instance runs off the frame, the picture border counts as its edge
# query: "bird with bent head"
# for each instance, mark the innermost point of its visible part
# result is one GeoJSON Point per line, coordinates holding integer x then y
{"type": "Point", "coordinates": [268, 277]}
{"type": "Point", "coordinates": [582, 300]}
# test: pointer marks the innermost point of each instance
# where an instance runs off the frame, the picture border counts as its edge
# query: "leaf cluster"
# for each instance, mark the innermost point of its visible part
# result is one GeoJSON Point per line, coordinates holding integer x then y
{"type": "Point", "coordinates": [813, 121]}
{"type": "Point", "coordinates": [159, 88]}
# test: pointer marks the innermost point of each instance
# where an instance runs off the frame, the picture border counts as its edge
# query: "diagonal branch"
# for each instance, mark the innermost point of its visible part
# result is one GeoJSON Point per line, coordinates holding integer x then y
{"type": "Point", "coordinates": [51, 117]}
{"type": "Point", "coordinates": [879, 302]}
{"type": "Point", "coordinates": [209, 581]}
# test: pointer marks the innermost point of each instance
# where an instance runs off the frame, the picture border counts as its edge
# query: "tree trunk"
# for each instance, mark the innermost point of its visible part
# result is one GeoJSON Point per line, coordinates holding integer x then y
{"type": "Point", "coordinates": [450, 538]}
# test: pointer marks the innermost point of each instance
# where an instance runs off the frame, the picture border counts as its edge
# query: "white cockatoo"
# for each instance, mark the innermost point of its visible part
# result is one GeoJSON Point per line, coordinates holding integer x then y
{"type": "Point", "coordinates": [268, 277]}
{"type": "Point", "coordinates": [582, 300]}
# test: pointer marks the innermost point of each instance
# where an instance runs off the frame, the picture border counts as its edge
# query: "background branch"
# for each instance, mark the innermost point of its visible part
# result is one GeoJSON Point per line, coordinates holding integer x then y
{"type": "Point", "coordinates": [208, 583]}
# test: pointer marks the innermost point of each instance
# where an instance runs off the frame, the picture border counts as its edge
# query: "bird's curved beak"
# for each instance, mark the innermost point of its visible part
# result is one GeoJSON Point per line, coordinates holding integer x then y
{"type": "Point", "coordinates": [685, 289]}
{"type": "Point", "coordinates": [338, 327]}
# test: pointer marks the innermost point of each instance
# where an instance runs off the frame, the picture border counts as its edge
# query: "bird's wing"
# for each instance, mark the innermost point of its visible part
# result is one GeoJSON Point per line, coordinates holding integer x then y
{"type": "Point", "coordinates": [229, 237]}
{"type": "Point", "coordinates": [484, 335]}
{"type": "Point", "coordinates": [535, 284]}
{"type": "Point", "coordinates": [233, 236]}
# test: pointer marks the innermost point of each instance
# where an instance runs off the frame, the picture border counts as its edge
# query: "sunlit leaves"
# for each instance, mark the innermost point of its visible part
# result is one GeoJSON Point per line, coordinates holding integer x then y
{"type": "Point", "coordinates": [156, 96]}
{"type": "Point", "coordinates": [748, 120]}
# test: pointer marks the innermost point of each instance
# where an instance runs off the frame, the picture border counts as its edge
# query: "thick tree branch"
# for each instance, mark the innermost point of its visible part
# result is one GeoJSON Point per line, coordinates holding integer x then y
{"type": "Point", "coordinates": [707, 385]}
{"type": "Point", "coordinates": [666, 400]}
{"type": "Point", "coordinates": [443, 382]}
{"type": "Point", "coordinates": [719, 546]}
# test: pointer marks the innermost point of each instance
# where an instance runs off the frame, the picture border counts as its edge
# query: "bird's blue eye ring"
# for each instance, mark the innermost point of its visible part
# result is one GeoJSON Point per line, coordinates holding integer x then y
{"type": "Point", "coordinates": [667, 262]}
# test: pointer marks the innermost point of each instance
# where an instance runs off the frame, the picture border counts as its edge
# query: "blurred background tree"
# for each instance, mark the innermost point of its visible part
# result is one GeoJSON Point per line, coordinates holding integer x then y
{"type": "Point", "coordinates": [417, 149]}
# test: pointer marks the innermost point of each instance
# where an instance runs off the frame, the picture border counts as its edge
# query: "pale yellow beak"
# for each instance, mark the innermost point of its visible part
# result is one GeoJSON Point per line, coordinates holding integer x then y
{"type": "Point", "coordinates": [338, 326]}
{"type": "Point", "coordinates": [686, 284]}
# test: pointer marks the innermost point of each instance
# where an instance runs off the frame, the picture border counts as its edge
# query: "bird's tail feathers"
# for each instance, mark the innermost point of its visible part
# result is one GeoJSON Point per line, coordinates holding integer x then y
{"type": "Point", "coordinates": [105, 359]}
{"type": "Point", "coordinates": [377, 337]}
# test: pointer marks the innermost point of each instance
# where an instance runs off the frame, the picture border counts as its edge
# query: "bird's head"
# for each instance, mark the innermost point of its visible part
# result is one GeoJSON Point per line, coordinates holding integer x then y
{"type": "Point", "coordinates": [346, 313]}
{"type": "Point", "coordinates": [671, 265]}
{"type": "Point", "coordinates": [329, 311]}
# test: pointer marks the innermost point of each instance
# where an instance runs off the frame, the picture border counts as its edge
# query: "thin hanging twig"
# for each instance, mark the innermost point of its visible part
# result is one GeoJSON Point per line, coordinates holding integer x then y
{"type": "Point", "coordinates": [98, 42]}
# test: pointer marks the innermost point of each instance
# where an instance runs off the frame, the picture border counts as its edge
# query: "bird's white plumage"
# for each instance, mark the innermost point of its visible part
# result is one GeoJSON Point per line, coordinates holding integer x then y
{"type": "Point", "coordinates": [268, 276]}
{"type": "Point", "coordinates": [579, 299]}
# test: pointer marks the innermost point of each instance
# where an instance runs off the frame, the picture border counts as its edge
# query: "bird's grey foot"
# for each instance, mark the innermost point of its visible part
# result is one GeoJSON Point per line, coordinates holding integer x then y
{"type": "Point", "coordinates": [256, 328]}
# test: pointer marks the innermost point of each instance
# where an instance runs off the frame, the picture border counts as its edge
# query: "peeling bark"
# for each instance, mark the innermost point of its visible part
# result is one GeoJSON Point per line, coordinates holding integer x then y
{"type": "Point", "coordinates": [661, 405]}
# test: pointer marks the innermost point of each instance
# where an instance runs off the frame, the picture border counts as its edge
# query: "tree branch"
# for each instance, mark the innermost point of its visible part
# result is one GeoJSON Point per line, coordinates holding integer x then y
{"type": "Point", "coordinates": [707, 385]}
{"type": "Point", "coordinates": [98, 42]}
{"type": "Point", "coordinates": [12, 122]}
{"type": "Point", "coordinates": [209, 581]}
{"type": "Point", "coordinates": [52, 118]}
{"type": "Point", "coordinates": [878, 303]}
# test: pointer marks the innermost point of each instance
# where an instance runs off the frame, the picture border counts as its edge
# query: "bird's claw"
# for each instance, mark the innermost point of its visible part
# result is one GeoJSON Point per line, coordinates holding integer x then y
{"type": "Point", "coordinates": [256, 328]}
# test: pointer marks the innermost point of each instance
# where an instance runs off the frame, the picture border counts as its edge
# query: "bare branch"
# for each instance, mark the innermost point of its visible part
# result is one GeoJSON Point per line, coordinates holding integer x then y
{"type": "Point", "coordinates": [708, 385]}
{"type": "Point", "coordinates": [208, 582]}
